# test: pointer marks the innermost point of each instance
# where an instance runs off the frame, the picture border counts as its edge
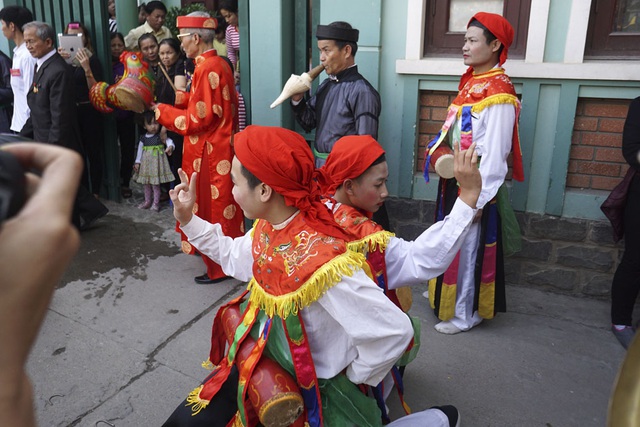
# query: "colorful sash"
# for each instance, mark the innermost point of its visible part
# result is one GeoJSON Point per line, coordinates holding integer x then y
{"type": "Point", "coordinates": [443, 290]}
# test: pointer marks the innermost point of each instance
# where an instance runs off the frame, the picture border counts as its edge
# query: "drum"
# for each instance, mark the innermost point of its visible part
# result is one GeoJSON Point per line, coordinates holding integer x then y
{"type": "Point", "coordinates": [272, 391]}
{"type": "Point", "coordinates": [441, 161]}
{"type": "Point", "coordinates": [131, 94]}
{"type": "Point", "coordinates": [405, 298]}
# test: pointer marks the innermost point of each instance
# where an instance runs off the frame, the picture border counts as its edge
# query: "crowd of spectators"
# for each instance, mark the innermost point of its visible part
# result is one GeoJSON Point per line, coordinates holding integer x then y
{"type": "Point", "coordinates": [83, 69]}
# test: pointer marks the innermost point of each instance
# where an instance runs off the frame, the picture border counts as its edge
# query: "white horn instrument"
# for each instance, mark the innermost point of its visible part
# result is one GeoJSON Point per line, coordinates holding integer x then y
{"type": "Point", "coordinates": [298, 84]}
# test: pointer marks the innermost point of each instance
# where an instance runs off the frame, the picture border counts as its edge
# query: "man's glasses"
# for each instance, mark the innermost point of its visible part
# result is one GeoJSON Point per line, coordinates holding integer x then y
{"type": "Point", "coordinates": [180, 36]}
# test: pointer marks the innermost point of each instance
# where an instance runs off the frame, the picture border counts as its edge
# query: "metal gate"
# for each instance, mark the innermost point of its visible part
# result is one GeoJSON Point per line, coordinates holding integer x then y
{"type": "Point", "coordinates": [93, 14]}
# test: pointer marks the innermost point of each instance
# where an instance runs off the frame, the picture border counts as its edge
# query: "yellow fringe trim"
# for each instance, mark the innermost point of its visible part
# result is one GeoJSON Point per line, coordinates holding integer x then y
{"type": "Point", "coordinates": [208, 365]}
{"type": "Point", "coordinates": [195, 402]}
{"type": "Point", "coordinates": [500, 98]}
{"type": "Point", "coordinates": [378, 240]}
{"type": "Point", "coordinates": [320, 281]}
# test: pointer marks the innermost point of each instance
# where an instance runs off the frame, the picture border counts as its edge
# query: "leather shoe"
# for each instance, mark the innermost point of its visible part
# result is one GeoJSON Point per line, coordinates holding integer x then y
{"type": "Point", "coordinates": [206, 280]}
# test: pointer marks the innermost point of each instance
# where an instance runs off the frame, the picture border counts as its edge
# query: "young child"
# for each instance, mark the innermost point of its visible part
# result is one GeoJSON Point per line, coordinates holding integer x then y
{"type": "Point", "coordinates": [152, 166]}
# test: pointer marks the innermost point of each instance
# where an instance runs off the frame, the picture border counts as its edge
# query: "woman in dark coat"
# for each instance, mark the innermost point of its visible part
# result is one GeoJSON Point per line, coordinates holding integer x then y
{"type": "Point", "coordinates": [87, 71]}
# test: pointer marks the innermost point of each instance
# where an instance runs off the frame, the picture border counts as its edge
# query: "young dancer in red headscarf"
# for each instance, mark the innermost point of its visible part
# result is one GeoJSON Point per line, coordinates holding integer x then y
{"type": "Point", "coordinates": [485, 112]}
{"type": "Point", "coordinates": [311, 306]}
{"type": "Point", "coordinates": [354, 181]}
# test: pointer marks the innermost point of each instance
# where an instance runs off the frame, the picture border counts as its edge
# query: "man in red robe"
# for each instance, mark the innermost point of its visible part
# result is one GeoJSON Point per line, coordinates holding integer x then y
{"type": "Point", "coordinates": [207, 117]}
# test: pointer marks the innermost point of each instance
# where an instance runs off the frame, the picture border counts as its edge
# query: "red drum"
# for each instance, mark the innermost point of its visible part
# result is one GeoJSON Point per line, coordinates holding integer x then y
{"type": "Point", "coordinates": [442, 161]}
{"type": "Point", "coordinates": [272, 391]}
{"type": "Point", "coordinates": [133, 95]}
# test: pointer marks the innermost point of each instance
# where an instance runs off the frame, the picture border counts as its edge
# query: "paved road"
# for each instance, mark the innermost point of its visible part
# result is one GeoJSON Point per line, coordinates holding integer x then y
{"type": "Point", "coordinates": [128, 329]}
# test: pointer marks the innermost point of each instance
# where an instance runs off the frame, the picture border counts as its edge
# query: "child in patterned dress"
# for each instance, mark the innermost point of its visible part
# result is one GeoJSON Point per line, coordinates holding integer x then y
{"type": "Point", "coordinates": [152, 167]}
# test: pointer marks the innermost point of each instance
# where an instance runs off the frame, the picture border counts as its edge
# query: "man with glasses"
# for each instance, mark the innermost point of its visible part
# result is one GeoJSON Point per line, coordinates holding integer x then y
{"type": "Point", "coordinates": [207, 116]}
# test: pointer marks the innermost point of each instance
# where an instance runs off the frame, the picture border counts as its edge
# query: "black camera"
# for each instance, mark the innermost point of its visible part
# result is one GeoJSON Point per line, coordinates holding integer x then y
{"type": "Point", "coordinates": [12, 180]}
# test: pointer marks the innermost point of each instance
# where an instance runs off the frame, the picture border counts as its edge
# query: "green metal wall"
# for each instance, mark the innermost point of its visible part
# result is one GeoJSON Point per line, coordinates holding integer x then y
{"type": "Point", "coordinates": [281, 43]}
{"type": "Point", "coordinates": [93, 14]}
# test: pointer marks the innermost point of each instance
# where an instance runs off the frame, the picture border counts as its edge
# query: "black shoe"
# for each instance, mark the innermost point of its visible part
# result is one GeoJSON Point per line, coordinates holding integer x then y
{"type": "Point", "coordinates": [452, 414]}
{"type": "Point", "coordinates": [205, 280]}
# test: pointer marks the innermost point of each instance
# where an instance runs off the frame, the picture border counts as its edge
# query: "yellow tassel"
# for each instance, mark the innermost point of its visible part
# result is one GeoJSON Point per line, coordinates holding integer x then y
{"type": "Point", "coordinates": [378, 240]}
{"type": "Point", "coordinates": [208, 365]}
{"type": "Point", "coordinates": [501, 98]}
{"type": "Point", "coordinates": [407, 410]}
{"type": "Point", "coordinates": [323, 279]}
{"type": "Point", "coordinates": [195, 402]}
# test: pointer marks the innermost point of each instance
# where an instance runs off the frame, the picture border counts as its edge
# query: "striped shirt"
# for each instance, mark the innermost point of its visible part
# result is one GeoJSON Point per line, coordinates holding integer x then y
{"type": "Point", "coordinates": [233, 45]}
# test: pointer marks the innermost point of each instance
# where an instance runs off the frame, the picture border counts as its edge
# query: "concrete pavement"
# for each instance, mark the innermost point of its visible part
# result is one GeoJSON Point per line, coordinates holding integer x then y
{"type": "Point", "coordinates": [127, 330]}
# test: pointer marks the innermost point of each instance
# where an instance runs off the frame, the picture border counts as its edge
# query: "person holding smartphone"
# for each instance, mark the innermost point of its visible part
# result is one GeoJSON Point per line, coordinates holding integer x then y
{"type": "Point", "coordinates": [87, 71]}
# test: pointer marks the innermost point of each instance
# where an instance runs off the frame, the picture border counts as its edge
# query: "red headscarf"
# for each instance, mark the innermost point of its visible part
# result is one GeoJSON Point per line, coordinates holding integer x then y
{"type": "Point", "coordinates": [499, 27]}
{"type": "Point", "coordinates": [350, 157]}
{"type": "Point", "coordinates": [282, 159]}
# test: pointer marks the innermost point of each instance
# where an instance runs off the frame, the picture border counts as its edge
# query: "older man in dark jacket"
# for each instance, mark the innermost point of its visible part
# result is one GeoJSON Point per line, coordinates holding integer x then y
{"type": "Point", "coordinates": [54, 118]}
{"type": "Point", "coordinates": [345, 103]}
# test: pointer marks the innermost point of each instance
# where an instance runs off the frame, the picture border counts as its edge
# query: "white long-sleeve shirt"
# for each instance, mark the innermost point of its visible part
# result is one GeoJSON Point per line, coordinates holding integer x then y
{"type": "Point", "coordinates": [492, 133]}
{"type": "Point", "coordinates": [353, 325]}
{"type": "Point", "coordinates": [414, 262]}
{"type": "Point", "coordinates": [22, 67]}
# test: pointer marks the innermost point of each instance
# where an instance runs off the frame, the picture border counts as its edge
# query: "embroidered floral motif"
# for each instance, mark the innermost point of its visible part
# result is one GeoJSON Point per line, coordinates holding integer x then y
{"type": "Point", "coordinates": [478, 88]}
{"type": "Point", "coordinates": [260, 255]}
{"type": "Point", "coordinates": [303, 251]}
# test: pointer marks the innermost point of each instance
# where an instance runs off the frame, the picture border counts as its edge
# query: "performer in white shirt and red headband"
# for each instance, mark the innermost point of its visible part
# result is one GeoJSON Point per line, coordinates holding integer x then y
{"type": "Point", "coordinates": [310, 305]}
{"type": "Point", "coordinates": [486, 112]}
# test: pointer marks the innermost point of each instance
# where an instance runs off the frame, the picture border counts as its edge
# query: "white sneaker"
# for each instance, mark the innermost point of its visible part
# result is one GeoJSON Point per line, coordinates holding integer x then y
{"type": "Point", "coordinates": [447, 327]}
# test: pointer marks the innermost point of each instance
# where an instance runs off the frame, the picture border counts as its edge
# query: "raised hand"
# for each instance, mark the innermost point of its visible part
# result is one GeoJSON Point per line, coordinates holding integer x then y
{"type": "Point", "coordinates": [83, 59]}
{"type": "Point", "coordinates": [183, 197]}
